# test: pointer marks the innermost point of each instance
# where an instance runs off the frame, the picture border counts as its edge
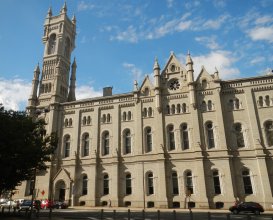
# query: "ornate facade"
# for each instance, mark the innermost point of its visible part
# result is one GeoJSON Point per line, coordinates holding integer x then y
{"type": "Point", "coordinates": [174, 140]}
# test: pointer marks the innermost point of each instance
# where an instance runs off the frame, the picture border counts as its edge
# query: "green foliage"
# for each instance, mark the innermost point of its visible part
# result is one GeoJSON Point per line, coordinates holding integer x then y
{"type": "Point", "coordinates": [24, 147]}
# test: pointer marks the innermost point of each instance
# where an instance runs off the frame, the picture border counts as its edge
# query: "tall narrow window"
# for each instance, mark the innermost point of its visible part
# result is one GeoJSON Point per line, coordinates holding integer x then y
{"type": "Point", "coordinates": [168, 109]}
{"type": "Point", "coordinates": [261, 101]}
{"type": "Point", "coordinates": [209, 105]}
{"type": "Point", "coordinates": [150, 112]}
{"type": "Point", "coordinates": [108, 118]}
{"type": "Point", "coordinates": [84, 120]}
{"type": "Point", "coordinates": [145, 113]}
{"type": "Point", "coordinates": [70, 122]}
{"type": "Point", "coordinates": [267, 101]}
{"type": "Point", "coordinates": [175, 183]}
{"type": "Point", "coordinates": [85, 146]}
{"type": "Point", "coordinates": [105, 184]}
{"type": "Point", "coordinates": [269, 133]}
{"type": "Point", "coordinates": [128, 184]}
{"type": "Point", "coordinates": [173, 109]}
{"type": "Point", "coordinates": [247, 182]}
{"type": "Point", "coordinates": [51, 44]}
{"type": "Point", "coordinates": [129, 116]}
{"type": "Point", "coordinates": [105, 143]}
{"type": "Point", "coordinates": [185, 137]}
{"type": "Point", "coordinates": [189, 183]}
{"type": "Point", "coordinates": [204, 106]}
{"type": "Point", "coordinates": [88, 120]}
{"type": "Point", "coordinates": [171, 137]}
{"type": "Point", "coordinates": [124, 116]}
{"type": "Point", "coordinates": [84, 185]}
{"type": "Point", "coordinates": [210, 135]}
{"type": "Point", "coordinates": [149, 143]}
{"type": "Point", "coordinates": [237, 104]}
{"type": "Point", "coordinates": [67, 146]}
{"type": "Point", "coordinates": [184, 108]}
{"type": "Point", "coordinates": [178, 108]}
{"type": "Point", "coordinates": [239, 135]}
{"type": "Point", "coordinates": [127, 141]}
{"type": "Point", "coordinates": [216, 182]}
{"type": "Point", "coordinates": [150, 184]}
{"type": "Point", "coordinates": [103, 118]}
{"type": "Point", "coordinates": [67, 48]}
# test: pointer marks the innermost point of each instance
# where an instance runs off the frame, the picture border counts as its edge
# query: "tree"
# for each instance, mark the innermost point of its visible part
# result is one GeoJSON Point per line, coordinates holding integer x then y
{"type": "Point", "coordinates": [24, 148]}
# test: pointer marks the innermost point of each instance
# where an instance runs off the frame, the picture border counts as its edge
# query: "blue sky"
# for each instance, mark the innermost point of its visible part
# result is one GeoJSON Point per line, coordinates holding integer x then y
{"type": "Point", "coordinates": [118, 40]}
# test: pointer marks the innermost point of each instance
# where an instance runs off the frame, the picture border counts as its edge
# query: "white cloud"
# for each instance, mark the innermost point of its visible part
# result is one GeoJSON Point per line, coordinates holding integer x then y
{"type": "Point", "coordinates": [83, 6]}
{"type": "Point", "coordinates": [222, 60]}
{"type": "Point", "coordinates": [257, 60]}
{"type": "Point", "coordinates": [170, 3]}
{"type": "Point", "coordinates": [134, 71]}
{"type": "Point", "coordinates": [261, 33]}
{"type": "Point", "coordinates": [86, 91]}
{"type": "Point", "coordinates": [209, 42]}
{"type": "Point", "coordinates": [215, 24]}
{"type": "Point", "coordinates": [129, 35]}
{"type": "Point", "coordinates": [219, 3]}
{"type": "Point", "coordinates": [14, 93]}
{"type": "Point", "coordinates": [263, 20]}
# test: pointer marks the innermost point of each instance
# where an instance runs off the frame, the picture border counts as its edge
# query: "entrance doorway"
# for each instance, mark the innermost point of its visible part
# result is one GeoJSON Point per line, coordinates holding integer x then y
{"type": "Point", "coordinates": [60, 191]}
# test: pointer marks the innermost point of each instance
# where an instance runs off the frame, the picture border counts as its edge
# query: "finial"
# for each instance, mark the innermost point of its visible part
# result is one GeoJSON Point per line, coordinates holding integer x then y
{"type": "Point", "coordinates": [172, 53]}
{"type": "Point", "coordinates": [64, 8]}
{"type": "Point", "coordinates": [189, 60]}
{"type": "Point", "coordinates": [135, 85]}
{"type": "Point", "coordinates": [189, 53]}
{"type": "Point", "coordinates": [49, 12]}
{"type": "Point", "coordinates": [74, 62]}
{"type": "Point", "coordinates": [156, 65]}
{"type": "Point", "coordinates": [74, 19]}
{"type": "Point", "coordinates": [37, 68]}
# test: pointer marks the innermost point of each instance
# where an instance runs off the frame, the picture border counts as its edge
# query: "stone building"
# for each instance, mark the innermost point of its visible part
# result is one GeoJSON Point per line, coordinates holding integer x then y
{"type": "Point", "coordinates": [174, 139]}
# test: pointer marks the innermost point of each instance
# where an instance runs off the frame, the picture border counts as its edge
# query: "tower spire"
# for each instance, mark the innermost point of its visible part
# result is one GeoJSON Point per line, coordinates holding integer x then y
{"type": "Point", "coordinates": [49, 12]}
{"type": "Point", "coordinates": [64, 8]}
{"type": "Point", "coordinates": [71, 95]}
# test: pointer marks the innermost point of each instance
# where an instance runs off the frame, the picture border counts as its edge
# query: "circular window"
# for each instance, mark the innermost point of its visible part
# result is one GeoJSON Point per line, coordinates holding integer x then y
{"type": "Point", "coordinates": [172, 67]}
{"type": "Point", "coordinates": [174, 85]}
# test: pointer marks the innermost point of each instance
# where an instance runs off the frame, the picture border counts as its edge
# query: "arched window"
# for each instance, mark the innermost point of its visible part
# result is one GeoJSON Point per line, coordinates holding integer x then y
{"type": "Point", "coordinates": [237, 104]}
{"type": "Point", "coordinates": [209, 105]}
{"type": "Point", "coordinates": [67, 146]}
{"type": "Point", "coordinates": [128, 184]}
{"type": "Point", "coordinates": [149, 143]}
{"type": "Point", "coordinates": [67, 48]}
{"type": "Point", "coordinates": [108, 117]}
{"type": "Point", "coordinates": [267, 101]}
{"type": "Point", "coordinates": [66, 122]}
{"type": "Point", "coordinates": [168, 109]}
{"type": "Point", "coordinates": [210, 135]}
{"type": "Point", "coordinates": [184, 108]}
{"type": "Point", "coordinates": [216, 182]}
{"type": "Point", "coordinates": [70, 122]}
{"type": "Point", "coordinates": [261, 101]}
{"type": "Point", "coordinates": [88, 120]}
{"type": "Point", "coordinates": [185, 137]}
{"type": "Point", "coordinates": [247, 182]}
{"type": "Point", "coordinates": [178, 108]}
{"type": "Point", "coordinates": [175, 183]}
{"type": "Point", "coordinates": [84, 120]}
{"type": "Point", "coordinates": [239, 135]}
{"type": "Point", "coordinates": [150, 112]}
{"type": "Point", "coordinates": [150, 184]}
{"type": "Point", "coordinates": [105, 143]}
{"type": "Point", "coordinates": [84, 185]}
{"type": "Point", "coordinates": [173, 109]}
{"type": "Point", "coordinates": [204, 106]}
{"type": "Point", "coordinates": [127, 141]}
{"type": "Point", "coordinates": [105, 184]}
{"type": "Point", "coordinates": [129, 116]}
{"type": "Point", "coordinates": [103, 118]}
{"type": "Point", "coordinates": [51, 44]}
{"type": "Point", "coordinates": [189, 182]}
{"type": "Point", "coordinates": [231, 104]}
{"type": "Point", "coordinates": [171, 137]}
{"type": "Point", "coordinates": [124, 116]}
{"type": "Point", "coordinates": [146, 91]}
{"type": "Point", "coordinates": [85, 145]}
{"type": "Point", "coordinates": [269, 133]}
{"type": "Point", "coordinates": [145, 113]}
{"type": "Point", "coordinates": [204, 84]}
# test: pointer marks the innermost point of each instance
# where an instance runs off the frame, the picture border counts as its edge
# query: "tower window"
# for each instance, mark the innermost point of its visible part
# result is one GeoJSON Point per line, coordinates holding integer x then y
{"type": "Point", "coordinates": [247, 182]}
{"type": "Point", "coordinates": [149, 142]}
{"type": "Point", "coordinates": [269, 133]}
{"type": "Point", "coordinates": [189, 183]}
{"type": "Point", "coordinates": [67, 146]}
{"type": "Point", "coordinates": [84, 185]}
{"type": "Point", "coordinates": [216, 182]}
{"type": "Point", "coordinates": [239, 135]}
{"type": "Point", "coordinates": [210, 135]}
{"type": "Point", "coordinates": [85, 149]}
{"type": "Point", "coordinates": [51, 44]}
{"type": "Point", "coordinates": [171, 137]}
{"type": "Point", "coordinates": [105, 143]}
{"type": "Point", "coordinates": [128, 184]}
{"type": "Point", "coordinates": [185, 137]}
{"type": "Point", "coordinates": [175, 183]}
{"type": "Point", "coordinates": [150, 182]}
{"type": "Point", "coordinates": [127, 142]}
{"type": "Point", "coordinates": [105, 184]}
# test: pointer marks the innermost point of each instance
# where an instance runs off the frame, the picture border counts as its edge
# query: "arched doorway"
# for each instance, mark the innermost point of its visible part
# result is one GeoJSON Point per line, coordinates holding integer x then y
{"type": "Point", "coordinates": [60, 190]}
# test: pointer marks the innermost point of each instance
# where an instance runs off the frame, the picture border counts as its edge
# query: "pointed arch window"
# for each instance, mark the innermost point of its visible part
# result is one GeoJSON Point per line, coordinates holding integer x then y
{"type": "Point", "coordinates": [267, 100]}
{"type": "Point", "coordinates": [210, 135]}
{"type": "Point", "coordinates": [88, 120]}
{"type": "Point", "coordinates": [66, 122]}
{"type": "Point", "coordinates": [184, 108]}
{"type": "Point", "coordinates": [175, 183]}
{"type": "Point", "coordinates": [145, 113]}
{"type": "Point", "coordinates": [209, 105]}
{"type": "Point", "coordinates": [247, 182]}
{"type": "Point", "coordinates": [67, 146]}
{"type": "Point", "coordinates": [70, 122]}
{"type": "Point", "coordinates": [216, 182]}
{"type": "Point", "coordinates": [189, 182]}
{"type": "Point", "coordinates": [204, 106]}
{"type": "Point", "coordinates": [150, 112]}
{"type": "Point", "coordinates": [124, 116]}
{"type": "Point", "coordinates": [108, 118]}
{"type": "Point", "coordinates": [67, 48]}
{"type": "Point", "coordinates": [149, 143]}
{"type": "Point", "coordinates": [127, 142]}
{"type": "Point", "coordinates": [173, 109]}
{"type": "Point", "coordinates": [171, 137]}
{"type": "Point", "coordinates": [105, 143]}
{"type": "Point", "coordinates": [129, 116]}
{"type": "Point", "coordinates": [168, 109]}
{"type": "Point", "coordinates": [85, 145]}
{"type": "Point", "coordinates": [261, 101]}
{"type": "Point", "coordinates": [150, 184]}
{"type": "Point", "coordinates": [178, 108]}
{"type": "Point", "coordinates": [128, 184]}
{"type": "Point", "coordinates": [84, 120]}
{"type": "Point", "coordinates": [51, 44]}
{"type": "Point", "coordinates": [84, 185]}
{"type": "Point", "coordinates": [185, 137]}
{"type": "Point", "coordinates": [239, 135]}
{"type": "Point", "coordinates": [105, 184]}
{"type": "Point", "coordinates": [237, 104]}
{"type": "Point", "coordinates": [269, 133]}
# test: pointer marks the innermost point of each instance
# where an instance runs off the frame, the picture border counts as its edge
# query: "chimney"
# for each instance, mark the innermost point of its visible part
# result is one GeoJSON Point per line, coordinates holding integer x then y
{"type": "Point", "coordinates": [107, 91]}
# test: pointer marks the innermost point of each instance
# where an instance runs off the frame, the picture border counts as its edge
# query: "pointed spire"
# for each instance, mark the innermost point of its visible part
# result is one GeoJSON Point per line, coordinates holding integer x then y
{"type": "Point", "coordinates": [49, 12]}
{"type": "Point", "coordinates": [216, 74]}
{"type": "Point", "coordinates": [71, 95]}
{"type": "Point", "coordinates": [189, 60]}
{"type": "Point", "coordinates": [156, 65]}
{"type": "Point", "coordinates": [135, 86]}
{"type": "Point", "coordinates": [64, 8]}
{"type": "Point", "coordinates": [74, 64]}
{"type": "Point", "coordinates": [74, 19]}
{"type": "Point", "coordinates": [37, 68]}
